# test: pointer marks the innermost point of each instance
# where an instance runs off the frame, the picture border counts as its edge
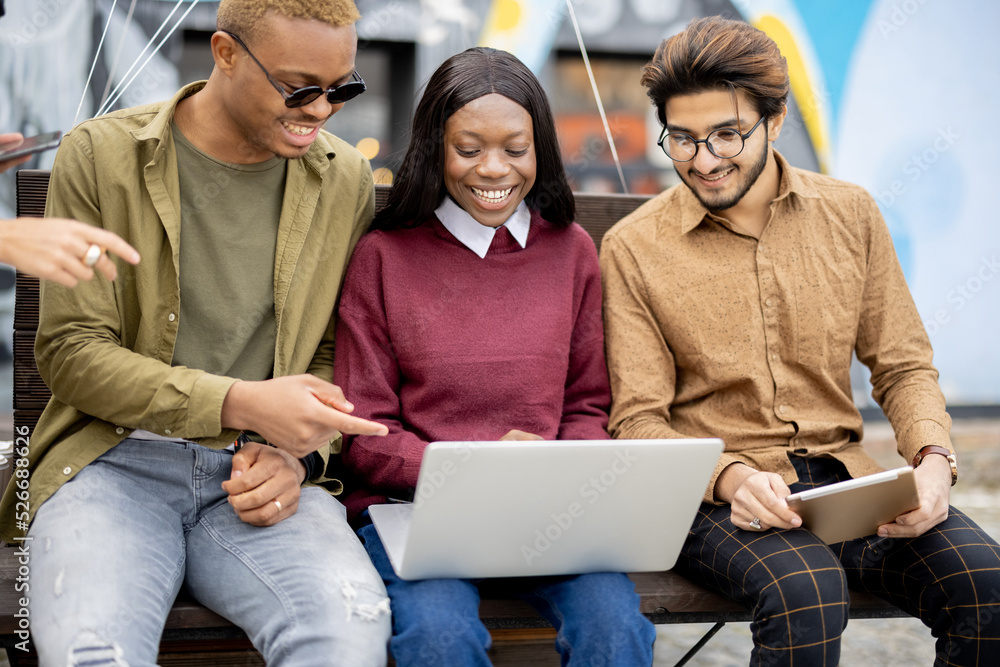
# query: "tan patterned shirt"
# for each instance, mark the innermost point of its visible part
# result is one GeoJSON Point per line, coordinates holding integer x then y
{"type": "Point", "coordinates": [713, 333]}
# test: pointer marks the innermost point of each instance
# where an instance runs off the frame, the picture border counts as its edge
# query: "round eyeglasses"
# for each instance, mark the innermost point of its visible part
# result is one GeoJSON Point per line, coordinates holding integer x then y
{"type": "Point", "coordinates": [724, 143]}
{"type": "Point", "coordinates": [303, 96]}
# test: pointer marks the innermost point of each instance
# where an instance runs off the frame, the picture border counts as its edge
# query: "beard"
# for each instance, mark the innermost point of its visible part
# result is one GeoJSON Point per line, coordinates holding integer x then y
{"type": "Point", "coordinates": [721, 201]}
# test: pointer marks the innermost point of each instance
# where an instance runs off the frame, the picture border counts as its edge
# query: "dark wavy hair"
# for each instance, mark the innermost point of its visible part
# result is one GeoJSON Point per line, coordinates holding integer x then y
{"type": "Point", "coordinates": [419, 186]}
{"type": "Point", "coordinates": [713, 53]}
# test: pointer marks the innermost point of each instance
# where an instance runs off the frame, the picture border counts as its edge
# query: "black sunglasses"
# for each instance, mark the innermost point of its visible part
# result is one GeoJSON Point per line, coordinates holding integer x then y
{"type": "Point", "coordinates": [303, 96]}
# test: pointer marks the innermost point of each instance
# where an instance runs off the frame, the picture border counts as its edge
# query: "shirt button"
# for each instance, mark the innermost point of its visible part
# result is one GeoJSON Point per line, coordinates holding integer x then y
{"type": "Point", "coordinates": [769, 302]}
{"type": "Point", "coordinates": [782, 409]}
{"type": "Point", "coordinates": [119, 430]}
{"type": "Point", "coordinates": [67, 470]}
{"type": "Point", "coordinates": [171, 317]}
{"type": "Point", "coordinates": [167, 431]}
{"type": "Point", "coordinates": [774, 356]}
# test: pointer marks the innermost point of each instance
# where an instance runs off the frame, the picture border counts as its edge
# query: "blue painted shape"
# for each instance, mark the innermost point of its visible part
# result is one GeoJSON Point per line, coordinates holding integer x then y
{"type": "Point", "coordinates": [834, 29]}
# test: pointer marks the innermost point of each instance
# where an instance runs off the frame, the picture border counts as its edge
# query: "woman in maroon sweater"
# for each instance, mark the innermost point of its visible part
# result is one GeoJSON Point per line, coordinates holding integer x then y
{"type": "Point", "coordinates": [472, 311]}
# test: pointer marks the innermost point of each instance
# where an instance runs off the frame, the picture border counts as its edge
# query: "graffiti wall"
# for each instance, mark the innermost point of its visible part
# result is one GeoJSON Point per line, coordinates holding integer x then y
{"type": "Point", "coordinates": [898, 96]}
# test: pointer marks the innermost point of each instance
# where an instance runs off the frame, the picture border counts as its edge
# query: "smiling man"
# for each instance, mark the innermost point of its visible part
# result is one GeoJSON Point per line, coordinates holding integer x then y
{"type": "Point", "coordinates": [733, 304]}
{"type": "Point", "coordinates": [151, 467]}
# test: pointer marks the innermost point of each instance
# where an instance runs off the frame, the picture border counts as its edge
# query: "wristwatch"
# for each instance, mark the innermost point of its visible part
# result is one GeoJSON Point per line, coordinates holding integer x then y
{"type": "Point", "coordinates": [947, 453]}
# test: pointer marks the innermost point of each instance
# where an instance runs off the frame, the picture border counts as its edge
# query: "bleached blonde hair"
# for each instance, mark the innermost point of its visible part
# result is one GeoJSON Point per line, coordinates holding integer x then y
{"type": "Point", "coordinates": [244, 17]}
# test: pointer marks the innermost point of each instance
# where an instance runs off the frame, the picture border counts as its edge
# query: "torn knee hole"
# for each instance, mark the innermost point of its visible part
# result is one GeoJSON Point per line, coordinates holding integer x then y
{"type": "Point", "coordinates": [93, 651]}
{"type": "Point", "coordinates": [364, 610]}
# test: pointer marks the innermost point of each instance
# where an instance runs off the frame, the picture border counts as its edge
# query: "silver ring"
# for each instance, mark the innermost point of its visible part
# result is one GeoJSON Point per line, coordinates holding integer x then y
{"type": "Point", "coordinates": [755, 524]}
{"type": "Point", "coordinates": [94, 253]}
{"type": "Point", "coordinates": [278, 505]}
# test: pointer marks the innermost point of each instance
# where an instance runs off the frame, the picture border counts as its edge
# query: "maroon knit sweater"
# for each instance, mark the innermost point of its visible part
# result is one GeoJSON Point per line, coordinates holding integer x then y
{"type": "Point", "coordinates": [439, 344]}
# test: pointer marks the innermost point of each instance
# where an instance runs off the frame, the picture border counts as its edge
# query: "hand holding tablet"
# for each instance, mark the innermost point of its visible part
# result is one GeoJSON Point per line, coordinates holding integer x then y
{"type": "Point", "coordinates": [856, 507]}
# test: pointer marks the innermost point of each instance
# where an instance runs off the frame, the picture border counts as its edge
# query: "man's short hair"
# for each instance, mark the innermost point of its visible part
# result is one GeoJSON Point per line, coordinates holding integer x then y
{"type": "Point", "coordinates": [715, 53]}
{"type": "Point", "coordinates": [243, 17]}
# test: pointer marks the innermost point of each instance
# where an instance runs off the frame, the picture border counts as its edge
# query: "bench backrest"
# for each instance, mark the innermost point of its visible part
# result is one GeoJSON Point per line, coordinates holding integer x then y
{"type": "Point", "coordinates": [594, 212]}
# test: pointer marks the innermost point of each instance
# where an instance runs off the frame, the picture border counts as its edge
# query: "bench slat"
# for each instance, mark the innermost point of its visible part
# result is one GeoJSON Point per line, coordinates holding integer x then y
{"type": "Point", "coordinates": [596, 213]}
{"type": "Point", "coordinates": [32, 186]}
{"type": "Point", "coordinates": [30, 393]}
{"type": "Point", "coordinates": [26, 303]}
{"type": "Point", "coordinates": [666, 596]}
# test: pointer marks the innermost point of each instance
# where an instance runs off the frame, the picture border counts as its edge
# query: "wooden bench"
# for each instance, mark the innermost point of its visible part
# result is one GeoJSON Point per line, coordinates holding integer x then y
{"type": "Point", "coordinates": [195, 635]}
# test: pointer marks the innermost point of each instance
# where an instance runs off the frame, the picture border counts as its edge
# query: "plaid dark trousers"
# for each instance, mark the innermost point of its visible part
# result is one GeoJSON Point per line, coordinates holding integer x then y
{"type": "Point", "coordinates": [798, 587]}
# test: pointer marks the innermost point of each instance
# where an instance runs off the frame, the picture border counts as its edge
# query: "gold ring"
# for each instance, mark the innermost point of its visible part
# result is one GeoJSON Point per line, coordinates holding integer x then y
{"type": "Point", "coordinates": [277, 504]}
{"type": "Point", "coordinates": [94, 253]}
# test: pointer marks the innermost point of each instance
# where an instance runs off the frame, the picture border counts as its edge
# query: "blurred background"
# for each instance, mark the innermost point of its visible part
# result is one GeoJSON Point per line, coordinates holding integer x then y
{"type": "Point", "coordinates": [896, 95]}
{"type": "Point", "coordinates": [899, 96]}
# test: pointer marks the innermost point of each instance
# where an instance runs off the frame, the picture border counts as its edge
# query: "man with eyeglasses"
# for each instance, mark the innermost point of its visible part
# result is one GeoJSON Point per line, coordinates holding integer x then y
{"type": "Point", "coordinates": [733, 303]}
{"type": "Point", "coordinates": [192, 397]}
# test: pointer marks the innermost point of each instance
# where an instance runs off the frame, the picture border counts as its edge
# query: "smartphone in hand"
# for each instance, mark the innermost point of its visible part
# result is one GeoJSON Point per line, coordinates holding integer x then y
{"type": "Point", "coordinates": [31, 145]}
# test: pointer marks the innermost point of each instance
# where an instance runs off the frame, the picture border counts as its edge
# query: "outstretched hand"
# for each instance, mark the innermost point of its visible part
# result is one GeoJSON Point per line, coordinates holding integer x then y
{"type": "Point", "coordinates": [53, 249]}
{"type": "Point", "coordinates": [297, 413]}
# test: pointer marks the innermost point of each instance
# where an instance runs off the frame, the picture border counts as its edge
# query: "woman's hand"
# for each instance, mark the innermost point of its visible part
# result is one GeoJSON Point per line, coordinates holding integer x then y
{"type": "Point", "coordinates": [55, 248]}
{"type": "Point", "coordinates": [514, 434]}
{"type": "Point", "coordinates": [17, 139]}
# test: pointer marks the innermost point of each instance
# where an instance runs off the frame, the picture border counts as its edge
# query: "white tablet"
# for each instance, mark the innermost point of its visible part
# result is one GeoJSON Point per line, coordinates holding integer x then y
{"type": "Point", "coordinates": [857, 507]}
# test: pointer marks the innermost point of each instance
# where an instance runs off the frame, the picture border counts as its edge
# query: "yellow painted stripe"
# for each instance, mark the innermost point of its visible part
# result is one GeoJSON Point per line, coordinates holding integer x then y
{"type": "Point", "coordinates": [811, 105]}
{"type": "Point", "coordinates": [504, 17]}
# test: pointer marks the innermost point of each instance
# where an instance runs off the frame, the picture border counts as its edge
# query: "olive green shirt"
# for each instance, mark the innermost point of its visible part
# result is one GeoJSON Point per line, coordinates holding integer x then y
{"type": "Point", "coordinates": [713, 333]}
{"type": "Point", "coordinates": [105, 348]}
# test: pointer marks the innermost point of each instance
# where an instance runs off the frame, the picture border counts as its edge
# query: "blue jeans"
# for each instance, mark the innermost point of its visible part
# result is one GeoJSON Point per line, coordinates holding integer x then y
{"type": "Point", "coordinates": [436, 621]}
{"type": "Point", "coordinates": [112, 548]}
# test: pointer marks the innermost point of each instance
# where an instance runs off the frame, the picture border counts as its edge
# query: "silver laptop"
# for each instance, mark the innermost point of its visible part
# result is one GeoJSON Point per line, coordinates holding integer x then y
{"type": "Point", "coordinates": [511, 509]}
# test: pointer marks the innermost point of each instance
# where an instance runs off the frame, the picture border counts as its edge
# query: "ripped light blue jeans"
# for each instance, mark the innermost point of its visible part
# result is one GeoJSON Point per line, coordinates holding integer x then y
{"type": "Point", "coordinates": [112, 548]}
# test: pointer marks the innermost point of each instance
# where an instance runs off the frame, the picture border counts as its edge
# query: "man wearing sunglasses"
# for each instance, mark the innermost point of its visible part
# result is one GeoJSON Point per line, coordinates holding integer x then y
{"type": "Point", "coordinates": [733, 304]}
{"type": "Point", "coordinates": [192, 396]}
